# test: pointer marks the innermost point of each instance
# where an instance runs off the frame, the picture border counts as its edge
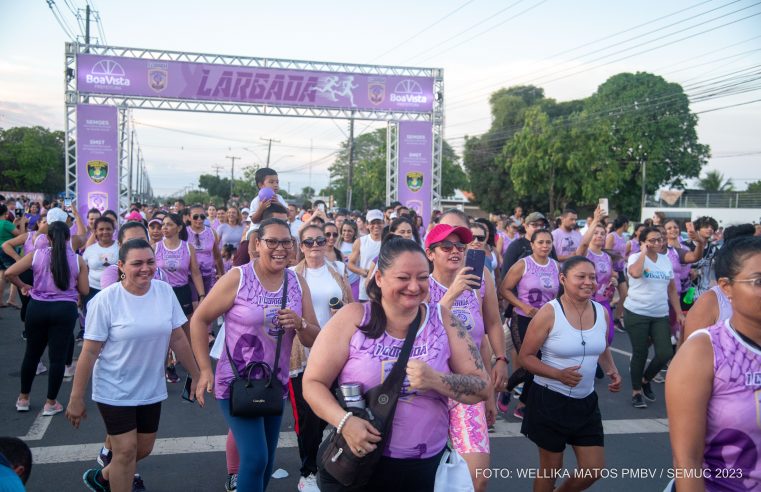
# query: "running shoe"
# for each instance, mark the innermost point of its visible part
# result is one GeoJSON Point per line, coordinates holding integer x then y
{"type": "Point", "coordinates": [104, 457]}
{"type": "Point", "coordinates": [68, 371]}
{"type": "Point", "coordinates": [22, 405]}
{"type": "Point", "coordinates": [503, 402]}
{"type": "Point", "coordinates": [231, 484]}
{"type": "Point", "coordinates": [518, 391]}
{"type": "Point", "coordinates": [308, 484]}
{"type": "Point", "coordinates": [648, 392]}
{"type": "Point", "coordinates": [638, 401]}
{"type": "Point", "coordinates": [41, 369]}
{"type": "Point", "coordinates": [50, 410]}
{"type": "Point", "coordinates": [93, 479]}
{"type": "Point", "coordinates": [618, 325]}
{"type": "Point", "coordinates": [137, 483]}
{"type": "Point", "coordinates": [518, 413]}
{"type": "Point", "coordinates": [171, 375]}
{"type": "Point", "coordinates": [659, 378]}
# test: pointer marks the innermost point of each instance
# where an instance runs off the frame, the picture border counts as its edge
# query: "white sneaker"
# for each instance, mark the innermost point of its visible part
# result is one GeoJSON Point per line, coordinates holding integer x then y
{"type": "Point", "coordinates": [308, 484]}
{"type": "Point", "coordinates": [68, 372]}
{"type": "Point", "coordinates": [41, 369]}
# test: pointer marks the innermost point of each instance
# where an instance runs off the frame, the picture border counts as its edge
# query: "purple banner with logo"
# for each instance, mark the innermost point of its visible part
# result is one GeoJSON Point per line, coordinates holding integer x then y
{"type": "Point", "coordinates": [97, 74]}
{"type": "Point", "coordinates": [415, 170]}
{"type": "Point", "coordinates": [97, 158]}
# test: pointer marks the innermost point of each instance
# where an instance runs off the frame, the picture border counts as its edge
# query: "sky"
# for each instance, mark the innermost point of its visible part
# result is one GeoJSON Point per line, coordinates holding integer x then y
{"type": "Point", "coordinates": [567, 48]}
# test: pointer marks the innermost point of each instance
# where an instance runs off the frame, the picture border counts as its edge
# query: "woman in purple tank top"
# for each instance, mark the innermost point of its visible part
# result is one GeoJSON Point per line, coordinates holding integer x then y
{"type": "Point", "coordinates": [250, 299]}
{"type": "Point", "coordinates": [206, 244]}
{"type": "Point", "coordinates": [714, 382]}
{"type": "Point", "coordinates": [29, 243]}
{"type": "Point", "coordinates": [615, 243]}
{"type": "Point", "coordinates": [60, 276]}
{"type": "Point", "coordinates": [360, 345]}
{"type": "Point", "coordinates": [591, 247]}
{"type": "Point", "coordinates": [474, 302]}
{"type": "Point", "coordinates": [536, 279]}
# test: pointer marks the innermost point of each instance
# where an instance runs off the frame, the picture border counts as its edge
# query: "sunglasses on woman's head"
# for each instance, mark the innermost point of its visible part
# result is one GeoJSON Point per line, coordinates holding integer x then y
{"type": "Point", "coordinates": [447, 246]}
{"type": "Point", "coordinates": [199, 216]}
{"type": "Point", "coordinates": [319, 241]}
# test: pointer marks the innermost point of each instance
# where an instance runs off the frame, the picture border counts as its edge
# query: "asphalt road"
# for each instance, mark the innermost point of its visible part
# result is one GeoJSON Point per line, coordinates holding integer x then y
{"type": "Point", "coordinates": [189, 454]}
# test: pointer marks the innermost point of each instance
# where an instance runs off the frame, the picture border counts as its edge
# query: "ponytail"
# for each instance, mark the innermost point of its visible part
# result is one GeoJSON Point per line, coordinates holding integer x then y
{"type": "Point", "coordinates": [59, 235]}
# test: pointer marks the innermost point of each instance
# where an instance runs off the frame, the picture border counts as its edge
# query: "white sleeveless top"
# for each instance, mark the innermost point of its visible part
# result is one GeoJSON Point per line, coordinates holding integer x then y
{"type": "Point", "coordinates": [567, 346]}
{"type": "Point", "coordinates": [368, 251]}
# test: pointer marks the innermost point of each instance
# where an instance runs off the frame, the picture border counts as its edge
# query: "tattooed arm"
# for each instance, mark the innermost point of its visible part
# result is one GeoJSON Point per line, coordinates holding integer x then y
{"type": "Point", "coordinates": [469, 381]}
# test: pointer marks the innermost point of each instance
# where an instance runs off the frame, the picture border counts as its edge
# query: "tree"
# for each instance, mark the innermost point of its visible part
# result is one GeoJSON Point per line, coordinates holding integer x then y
{"type": "Point", "coordinates": [636, 122]}
{"type": "Point", "coordinates": [196, 196]}
{"type": "Point", "coordinates": [369, 176]}
{"type": "Point", "coordinates": [714, 181]}
{"type": "Point", "coordinates": [32, 159]}
{"type": "Point", "coordinates": [307, 192]}
{"type": "Point", "coordinates": [754, 187]}
{"type": "Point", "coordinates": [215, 186]}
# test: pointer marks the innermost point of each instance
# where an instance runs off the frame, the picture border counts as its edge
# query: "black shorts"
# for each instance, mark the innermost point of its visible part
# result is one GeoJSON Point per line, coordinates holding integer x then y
{"type": "Point", "coordinates": [185, 297]}
{"type": "Point", "coordinates": [552, 420]}
{"type": "Point", "coordinates": [120, 420]}
{"type": "Point", "coordinates": [6, 261]}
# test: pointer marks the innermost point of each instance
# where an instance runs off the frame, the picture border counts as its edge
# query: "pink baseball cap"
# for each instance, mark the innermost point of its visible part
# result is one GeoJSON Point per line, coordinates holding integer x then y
{"type": "Point", "coordinates": [441, 231]}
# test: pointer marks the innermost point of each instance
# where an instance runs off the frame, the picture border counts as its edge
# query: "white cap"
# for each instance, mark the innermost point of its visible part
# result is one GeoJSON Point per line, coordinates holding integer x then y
{"type": "Point", "coordinates": [374, 214]}
{"type": "Point", "coordinates": [56, 215]}
{"type": "Point", "coordinates": [245, 210]}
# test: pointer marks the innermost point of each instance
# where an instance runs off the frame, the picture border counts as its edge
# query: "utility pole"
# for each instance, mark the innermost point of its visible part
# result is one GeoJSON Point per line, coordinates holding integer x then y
{"type": "Point", "coordinates": [351, 162]}
{"type": "Point", "coordinates": [269, 148]}
{"type": "Point", "coordinates": [217, 168]}
{"type": "Point", "coordinates": [232, 172]}
{"type": "Point", "coordinates": [87, 28]}
{"type": "Point", "coordinates": [644, 179]}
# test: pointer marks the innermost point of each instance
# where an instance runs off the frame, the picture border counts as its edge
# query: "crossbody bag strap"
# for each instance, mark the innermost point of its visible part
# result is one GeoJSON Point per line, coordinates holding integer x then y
{"type": "Point", "coordinates": [396, 376]}
{"type": "Point", "coordinates": [283, 303]}
{"type": "Point", "coordinates": [279, 335]}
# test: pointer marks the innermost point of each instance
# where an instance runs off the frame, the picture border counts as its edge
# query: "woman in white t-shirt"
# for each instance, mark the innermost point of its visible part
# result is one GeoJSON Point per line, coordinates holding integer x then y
{"type": "Point", "coordinates": [646, 312]}
{"type": "Point", "coordinates": [325, 282]}
{"type": "Point", "coordinates": [131, 325]}
{"type": "Point", "coordinates": [100, 255]}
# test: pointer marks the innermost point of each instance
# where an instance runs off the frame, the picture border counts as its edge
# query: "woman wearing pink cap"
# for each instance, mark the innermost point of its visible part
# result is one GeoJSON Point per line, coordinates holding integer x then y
{"type": "Point", "coordinates": [474, 303]}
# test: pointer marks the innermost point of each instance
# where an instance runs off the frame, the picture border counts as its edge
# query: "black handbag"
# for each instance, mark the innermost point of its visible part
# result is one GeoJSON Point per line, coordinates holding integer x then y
{"type": "Point", "coordinates": [260, 397]}
{"type": "Point", "coordinates": [334, 455]}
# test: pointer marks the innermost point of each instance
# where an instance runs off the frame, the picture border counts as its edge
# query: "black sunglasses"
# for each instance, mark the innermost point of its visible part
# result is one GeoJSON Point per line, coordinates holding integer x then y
{"type": "Point", "coordinates": [447, 246]}
{"type": "Point", "coordinates": [480, 239]}
{"type": "Point", "coordinates": [331, 234]}
{"type": "Point", "coordinates": [198, 216]}
{"type": "Point", "coordinates": [319, 241]}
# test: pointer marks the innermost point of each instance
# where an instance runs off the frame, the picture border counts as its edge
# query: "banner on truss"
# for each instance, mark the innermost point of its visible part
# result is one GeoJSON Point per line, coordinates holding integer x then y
{"type": "Point", "coordinates": [166, 79]}
{"type": "Point", "coordinates": [415, 166]}
{"type": "Point", "coordinates": [97, 158]}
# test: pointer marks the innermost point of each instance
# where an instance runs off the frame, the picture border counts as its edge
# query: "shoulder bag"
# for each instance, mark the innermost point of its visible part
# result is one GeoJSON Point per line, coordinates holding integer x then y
{"type": "Point", "coordinates": [251, 397]}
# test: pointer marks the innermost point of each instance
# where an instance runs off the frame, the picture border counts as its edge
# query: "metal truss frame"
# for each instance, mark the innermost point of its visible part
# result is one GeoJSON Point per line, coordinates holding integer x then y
{"type": "Point", "coordinates": [125, 103]}
{"type": "Point", "coordinates": [392, 162]}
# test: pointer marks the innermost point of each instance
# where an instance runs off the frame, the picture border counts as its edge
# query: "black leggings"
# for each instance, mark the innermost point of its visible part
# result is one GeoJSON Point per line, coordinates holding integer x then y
{"type": "Point", "coordinates": [48, 324]}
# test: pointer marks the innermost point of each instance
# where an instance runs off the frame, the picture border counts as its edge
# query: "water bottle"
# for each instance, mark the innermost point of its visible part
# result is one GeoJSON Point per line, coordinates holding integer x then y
{"type": "Point", "coordinates": [689, 296]}
{"type": "Point", "coordinates": [352, 393]}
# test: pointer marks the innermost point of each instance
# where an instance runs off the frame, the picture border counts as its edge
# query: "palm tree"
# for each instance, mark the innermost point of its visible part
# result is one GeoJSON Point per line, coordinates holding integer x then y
{"type": "Point", "coordinates": [714, 181]}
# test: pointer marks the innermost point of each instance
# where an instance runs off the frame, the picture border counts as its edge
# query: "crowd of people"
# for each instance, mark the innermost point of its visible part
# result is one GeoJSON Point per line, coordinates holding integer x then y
{"type": "Point", "coordinates": [322, 301]}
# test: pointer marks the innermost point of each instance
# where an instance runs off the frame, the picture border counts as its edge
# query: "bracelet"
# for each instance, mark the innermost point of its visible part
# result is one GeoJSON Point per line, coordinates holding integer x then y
{"type": "Point", "coordinates": [343, 421]}
{"type": "Point", "coordinates": [501, 357]}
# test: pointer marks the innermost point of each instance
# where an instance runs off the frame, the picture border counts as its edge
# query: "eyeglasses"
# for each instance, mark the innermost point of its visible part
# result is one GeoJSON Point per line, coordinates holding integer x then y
{"type": "Point", "coordinates": [310, 242]}
{"type": "Point", "coordinates": [447, 246]}
{"type": "Point", "coordinates": [274, 243]}
{"type": "Point", "coordinates": [478, 239]}
{"type": "Point", "coordinates": [754, 282]}
{"type": "Point", "coordinates": [655, 241]}
{"type": "Point", "coordinates": [536, 225]}
{"type": "Point", "coordinates": [331, 234]}
{"type": "Point", "coordinates": [198, 216]}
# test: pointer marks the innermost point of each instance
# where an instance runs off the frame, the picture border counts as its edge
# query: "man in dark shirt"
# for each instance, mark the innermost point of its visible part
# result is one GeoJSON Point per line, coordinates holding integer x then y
{"type": "Point", "coordinates": [521, 248]}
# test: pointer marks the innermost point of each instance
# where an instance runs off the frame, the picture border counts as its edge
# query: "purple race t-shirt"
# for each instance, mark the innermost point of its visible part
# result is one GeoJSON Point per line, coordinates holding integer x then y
{"type": "Point", "coordinates": [467, 307]}
{"type": "Point", "coordinates": [44, 288]}
{"type": "Point", "coordinates": [251, 331]}
{"type": "Point", "coordinates": [174, 262]}
{"type": "Point", "coordinates": [421, 422]}
{"type": "Point", "coordinates": [565, 242]}
{"type": "Point", "coordinates": [539, 284]}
